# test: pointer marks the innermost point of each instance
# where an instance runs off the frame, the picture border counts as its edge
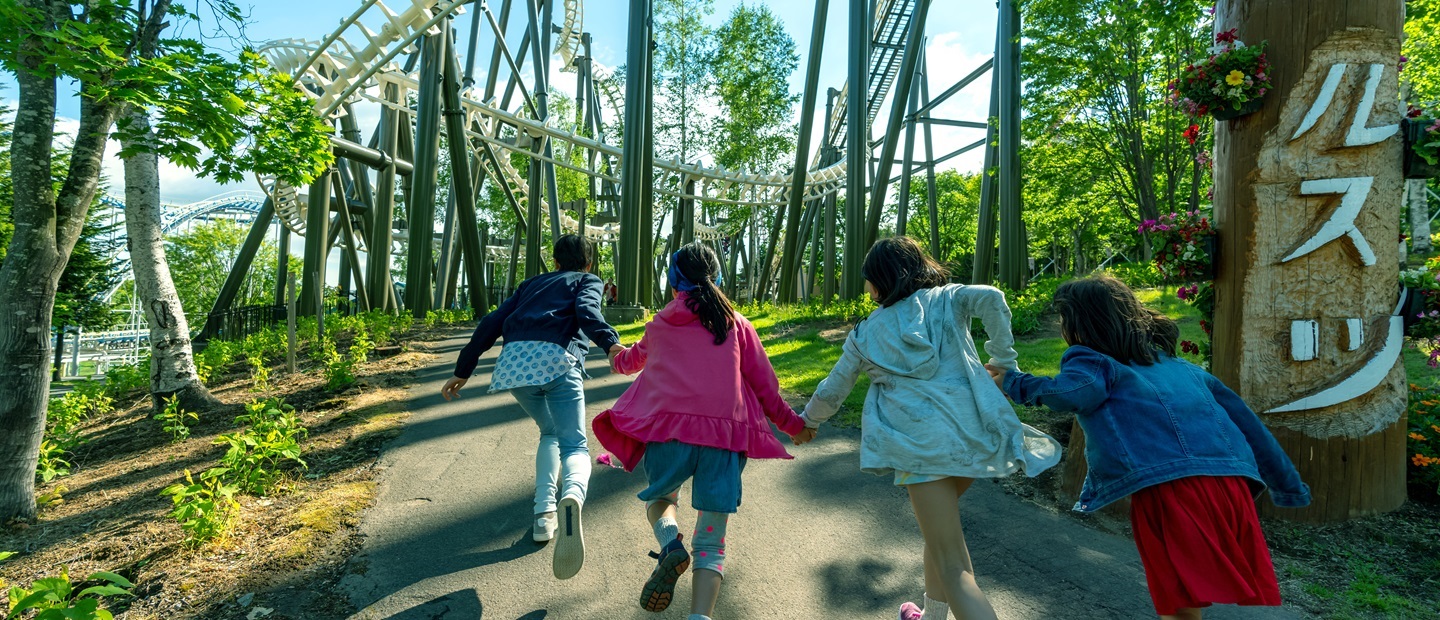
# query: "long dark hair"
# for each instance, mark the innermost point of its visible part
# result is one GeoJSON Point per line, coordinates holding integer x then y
{"type": "Point", "coordinates": [897, 267]}
{"type": "Point", "coordinates": [699, 264]}
{"type": "Point", "coordinates": [1103, 314]}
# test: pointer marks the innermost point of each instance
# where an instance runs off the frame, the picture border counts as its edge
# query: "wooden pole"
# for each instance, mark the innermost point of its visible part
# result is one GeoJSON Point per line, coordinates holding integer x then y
{"type": "Point", "coordinates": [290, 322]}
{"type": "Point", "coordinates": [1307, 192]}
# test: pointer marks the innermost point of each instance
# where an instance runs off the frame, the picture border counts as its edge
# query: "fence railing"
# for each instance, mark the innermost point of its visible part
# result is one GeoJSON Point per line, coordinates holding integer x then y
{"type": "Point", "coordinates": [238, 323]}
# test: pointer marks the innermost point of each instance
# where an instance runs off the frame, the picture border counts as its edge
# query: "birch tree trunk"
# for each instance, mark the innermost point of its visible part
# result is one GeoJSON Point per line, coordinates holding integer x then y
{"type": "Point", "coordinates": [172, 362]}
{"type": "Point", "coordinates": [1417, 203]}
{"type": "Point", "coordinates": [47, 225]}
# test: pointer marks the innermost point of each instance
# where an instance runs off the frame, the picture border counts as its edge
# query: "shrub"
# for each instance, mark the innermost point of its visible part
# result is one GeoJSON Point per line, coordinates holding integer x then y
{"type": "Point", "coordinates": [339, 369]}
{"type": "Point", "coordinates": [215, 357]}
{"type": "Point", "coordinates": [52, 463]}
{"type": "Point", "coordinates": [1029, 306]}
{"type": "Point", "coordinates": [1424, 438]}
{"type": "Point", "coordinates": [1137, 275]}
{"type": "Point", "coordinates": [55, 598]}
{"type": "Point", "coordinates": [259, 373]}
{"type": "Point", "coordinates": [205, 509]}
{"type": "Point", "coordinates": [172, 419]}
{"type": "Point", "coordinates": [62, 428]}
{"type": "Point", "coordinates": [126, 379]}
{"type": "Point", "coordinates": [255, 453]}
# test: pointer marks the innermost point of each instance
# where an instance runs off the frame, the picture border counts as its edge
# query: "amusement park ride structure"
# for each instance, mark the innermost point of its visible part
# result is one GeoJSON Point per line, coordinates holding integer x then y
{"type": "Point", "coordinates": [407, 60]}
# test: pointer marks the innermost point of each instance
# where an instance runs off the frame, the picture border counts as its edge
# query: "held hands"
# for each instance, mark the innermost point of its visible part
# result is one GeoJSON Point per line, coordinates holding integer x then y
{"type": "Point", "coordinates": [998, 375]}
{"type": "Point", "coordinates": [451, 389]}
{"type": "Point", "coordinates": [803, 437]}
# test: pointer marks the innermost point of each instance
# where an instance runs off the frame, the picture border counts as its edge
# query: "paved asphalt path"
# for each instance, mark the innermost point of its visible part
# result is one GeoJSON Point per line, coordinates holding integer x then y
{"type": "Point", "coordinates": [816, 538]}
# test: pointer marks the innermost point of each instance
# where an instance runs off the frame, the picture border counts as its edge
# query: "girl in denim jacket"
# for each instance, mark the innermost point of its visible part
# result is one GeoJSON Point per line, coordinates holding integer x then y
{"type": "Point", "coordinates": [697, 412]}
{"type": "Point", "coordinates": [1188, 451]}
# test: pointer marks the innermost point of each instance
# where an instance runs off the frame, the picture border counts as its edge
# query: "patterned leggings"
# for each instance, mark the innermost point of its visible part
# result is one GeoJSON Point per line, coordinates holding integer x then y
{"type": "Point", "coordinates": [707, 544]}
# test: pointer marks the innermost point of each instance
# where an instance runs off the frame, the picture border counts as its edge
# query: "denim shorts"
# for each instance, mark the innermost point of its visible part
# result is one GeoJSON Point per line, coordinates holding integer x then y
{"type": "Point", "coordinates": [716, 475]}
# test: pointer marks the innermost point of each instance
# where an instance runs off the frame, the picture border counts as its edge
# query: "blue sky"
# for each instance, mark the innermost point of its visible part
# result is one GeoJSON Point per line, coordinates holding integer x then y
{"type": "Point", "coordinates": [961, 35]}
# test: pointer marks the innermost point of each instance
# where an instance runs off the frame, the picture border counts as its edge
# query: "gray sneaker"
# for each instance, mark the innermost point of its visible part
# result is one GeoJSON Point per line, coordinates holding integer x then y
{"type": "Point", "coordinates": [569, 541]}
{"type": "Point", "coordinates": [545, 525]}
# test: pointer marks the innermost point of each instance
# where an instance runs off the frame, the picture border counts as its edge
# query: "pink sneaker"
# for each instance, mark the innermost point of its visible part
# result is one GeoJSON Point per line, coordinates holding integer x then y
{"type": "Point", "coordinates": [606, 458]}
{"type": "Point", "coordinates": [909, 611]}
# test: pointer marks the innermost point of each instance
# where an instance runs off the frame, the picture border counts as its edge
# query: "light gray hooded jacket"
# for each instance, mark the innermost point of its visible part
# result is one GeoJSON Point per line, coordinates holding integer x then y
{"type": "Point", "coordinates": [932, 409]}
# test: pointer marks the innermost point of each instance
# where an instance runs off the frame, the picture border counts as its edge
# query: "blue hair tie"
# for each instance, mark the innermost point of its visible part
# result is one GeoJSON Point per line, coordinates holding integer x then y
{"type": "Point", "coordinates": [680, 282]}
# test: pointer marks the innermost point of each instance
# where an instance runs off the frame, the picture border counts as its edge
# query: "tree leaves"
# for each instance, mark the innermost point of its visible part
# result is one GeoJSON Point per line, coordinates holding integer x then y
{"type": "Point", "coordinates": [752, 63]}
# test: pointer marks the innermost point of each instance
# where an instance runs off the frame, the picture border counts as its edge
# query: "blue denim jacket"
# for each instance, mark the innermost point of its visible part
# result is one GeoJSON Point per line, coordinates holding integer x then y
{"type": "Point", "coordinates": [552, 307]}
{"type": "Point", "coordinates": [1145, 425]}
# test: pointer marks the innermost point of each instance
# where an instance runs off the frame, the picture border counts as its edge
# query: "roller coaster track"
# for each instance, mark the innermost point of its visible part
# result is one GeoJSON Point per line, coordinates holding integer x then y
{"type": "Point", "coordinates": [172, 217]}
{"type": "Point", "coordinates": [887, 45]}
{"type": "Point", "coordinates": [354, 62]}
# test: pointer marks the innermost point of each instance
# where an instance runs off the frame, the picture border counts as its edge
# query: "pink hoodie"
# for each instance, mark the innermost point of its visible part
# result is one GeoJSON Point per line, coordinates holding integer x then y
{"type": "Point", "coordinates": [696, 392]}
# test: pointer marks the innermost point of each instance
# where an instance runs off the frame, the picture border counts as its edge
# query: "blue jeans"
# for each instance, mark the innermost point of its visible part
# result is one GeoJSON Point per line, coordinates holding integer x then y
{"type": "Point", "coordinates": [558, 408]}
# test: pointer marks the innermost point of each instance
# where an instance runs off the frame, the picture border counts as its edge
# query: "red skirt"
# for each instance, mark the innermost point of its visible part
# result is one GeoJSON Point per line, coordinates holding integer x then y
{"type": "Point", "coordinates": [1200, 542]}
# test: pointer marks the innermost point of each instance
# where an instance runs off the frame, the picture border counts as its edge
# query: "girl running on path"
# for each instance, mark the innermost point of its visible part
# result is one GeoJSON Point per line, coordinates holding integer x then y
{"type": "Point", "coordinates": [932, 416]}
{"type": "Point", "coordinates": [1189, 452]}
{"type": "Point", "coordinates": [697, 412]}
{"type": "Point", "coordinates": [542, 365]}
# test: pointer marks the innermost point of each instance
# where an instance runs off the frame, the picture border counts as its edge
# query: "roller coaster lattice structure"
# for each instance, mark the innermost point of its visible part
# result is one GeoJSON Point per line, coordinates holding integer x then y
{"type": "Point", "coordinates": [404, 57]}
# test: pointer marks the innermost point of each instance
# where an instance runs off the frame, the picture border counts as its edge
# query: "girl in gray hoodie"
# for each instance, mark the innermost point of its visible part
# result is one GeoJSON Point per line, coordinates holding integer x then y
{"type": "Point", "coordinates": [933, 417]}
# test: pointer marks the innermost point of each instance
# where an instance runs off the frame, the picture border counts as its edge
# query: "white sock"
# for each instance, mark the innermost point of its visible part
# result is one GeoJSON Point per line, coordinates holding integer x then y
{"type": "Point", "coordinates": [699, 617]}
{"type": "Point", "coordinates": [666, 529]}
{"type": "Point", "coordinates": [935, 610]}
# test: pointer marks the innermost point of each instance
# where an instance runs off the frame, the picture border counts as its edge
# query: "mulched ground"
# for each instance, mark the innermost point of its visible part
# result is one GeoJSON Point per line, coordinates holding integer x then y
{"type": "Point", "coordinates": [112, 518]}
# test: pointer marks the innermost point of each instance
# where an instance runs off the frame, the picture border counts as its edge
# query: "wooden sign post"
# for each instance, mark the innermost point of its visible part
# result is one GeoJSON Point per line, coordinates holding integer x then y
{"type": "Point", "coordinates": [1307, 193]}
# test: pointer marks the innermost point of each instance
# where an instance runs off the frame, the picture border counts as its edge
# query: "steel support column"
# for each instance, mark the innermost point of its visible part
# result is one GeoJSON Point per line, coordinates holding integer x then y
{"type": "Point", "coordinates": [856, 151]}
{"type": "Point", "coordinates": [422, 212]}
{"type": "Point", "coordinates": [930, 202]}
{"type": "Point", "coordinates": [349, 238]}
{"type": "Point", "coordinates": [627, 263]}
{"type": "Point", "coordinates": [902, 216]}
{"type": "Point", "coordinates": [464, 185]}
{"type": "Point", "coordinates": [317, 238]}
{"type": "Point", "coordinates": [382, 215]}
{"type": "Point", "coordinates": [253, 240]}
{"type": "Point", "coordinates": [282, 265]}
{"type": "Point", "coordinates": [1012, 231]}
{"type": "Point", "coordinates": [790, 258]}
{"type": "Point", "coordinates": [983, 271]}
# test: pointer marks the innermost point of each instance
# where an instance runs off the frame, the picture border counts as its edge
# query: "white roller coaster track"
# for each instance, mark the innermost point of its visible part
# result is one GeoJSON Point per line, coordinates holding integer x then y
{"type": "Point", "coordinates": [335, 71]}
{"type": "Point", "coordinates": [172, 217]}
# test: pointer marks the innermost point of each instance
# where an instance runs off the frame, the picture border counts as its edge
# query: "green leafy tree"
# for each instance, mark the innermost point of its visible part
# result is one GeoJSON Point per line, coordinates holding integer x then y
{"type": "Point", "coordinates": [752, 63]}
{"type": "Point", "coordinates": [200, 259]}
{"type": "Point", "coordinates": [1106, 92]}
{"type": "Point", "coordinates": [189, 95]}
{"type": "Point", "coordinates": [685, 43]}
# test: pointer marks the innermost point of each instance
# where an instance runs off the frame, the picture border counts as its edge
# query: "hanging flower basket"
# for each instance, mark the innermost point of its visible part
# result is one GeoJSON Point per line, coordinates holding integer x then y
{"type": "Point", "coordinates": [1422, 147]}
{"type": "Point", "coordinates": [1230, 83]}
{"type": "Point", "coordinates": [1229, 114]}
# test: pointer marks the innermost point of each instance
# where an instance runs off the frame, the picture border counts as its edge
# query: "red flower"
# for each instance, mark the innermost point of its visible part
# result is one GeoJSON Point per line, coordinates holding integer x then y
{"type": "Point", "coordinates": [1192, 133]}
{"type": "Point", "coordinates": [1229, 36]}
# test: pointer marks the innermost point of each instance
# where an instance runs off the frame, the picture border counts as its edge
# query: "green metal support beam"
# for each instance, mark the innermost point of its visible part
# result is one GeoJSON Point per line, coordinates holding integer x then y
{"type": "Point", "coordinates": [856, 152]}
{"type": "Point", "coordinates": [792, 254]}
{"type": "Point", "coordinates": [231, 288]}
{"type": "Point", "coordinates": [418, 278]}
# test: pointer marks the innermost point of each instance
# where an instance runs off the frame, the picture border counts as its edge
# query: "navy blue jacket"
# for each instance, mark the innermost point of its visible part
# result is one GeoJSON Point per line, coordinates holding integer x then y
{"type": "Point", "coordinates": [553, 307]}
{"type": "Point", "coordinates": [1145, 425]}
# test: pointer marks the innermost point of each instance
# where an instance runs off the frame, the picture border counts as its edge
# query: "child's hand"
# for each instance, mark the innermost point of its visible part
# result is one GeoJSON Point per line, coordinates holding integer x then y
{"type": "Point", "coordinates": [615, 349]}
{"type": "Point", "coordinates": [998, 375]}
{"type": "Point", "coordinates": [451, 389]}
{"type": "Point", "coordinates": [803, 437]}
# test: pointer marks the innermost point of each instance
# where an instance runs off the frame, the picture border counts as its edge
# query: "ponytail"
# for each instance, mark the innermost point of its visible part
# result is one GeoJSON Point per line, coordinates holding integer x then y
{"type": "Point", "coordinates": [695, 271]}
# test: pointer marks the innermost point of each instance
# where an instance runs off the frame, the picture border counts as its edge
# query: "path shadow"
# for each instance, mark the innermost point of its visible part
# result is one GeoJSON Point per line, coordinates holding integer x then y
{"type": "Point", "coordinates": [455, 605]}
